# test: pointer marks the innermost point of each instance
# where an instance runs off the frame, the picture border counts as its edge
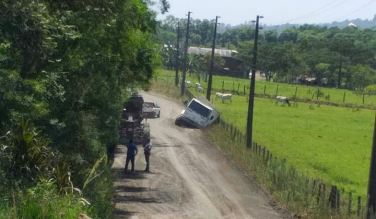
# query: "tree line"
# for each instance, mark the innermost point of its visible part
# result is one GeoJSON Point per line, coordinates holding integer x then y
{"type": "Point", "coordinates": [334, 57]}
{"type": "Point", "coordinates": [65, 69]}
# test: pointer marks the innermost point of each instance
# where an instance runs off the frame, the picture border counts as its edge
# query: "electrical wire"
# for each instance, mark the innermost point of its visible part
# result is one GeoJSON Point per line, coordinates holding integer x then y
{"type": "Point", "coordinates": [316, 11]}
{"type": "Point", "coordinates": [356, 10]}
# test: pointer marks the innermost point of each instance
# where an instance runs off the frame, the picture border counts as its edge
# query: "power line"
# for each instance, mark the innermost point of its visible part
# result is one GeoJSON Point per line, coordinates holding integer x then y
{"type": "Point", "coordinates": [313, 12]}
{"type": "Point", "coordinates": [356, 10]}
{"type": "Point", "coordinates": [318, 11]}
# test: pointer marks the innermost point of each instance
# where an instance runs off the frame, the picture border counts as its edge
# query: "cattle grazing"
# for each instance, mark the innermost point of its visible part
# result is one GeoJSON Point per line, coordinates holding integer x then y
{"type": "Point", "coordinates": [218, 95]}
{"type": "Point", "coordinates": [199, 89]}
{"type": "Point", "coordinates": [188, 83]}
{"type": "Point", "coordinates": [282, 99]}
{"type": "Point", "coordinates": [226, 97]}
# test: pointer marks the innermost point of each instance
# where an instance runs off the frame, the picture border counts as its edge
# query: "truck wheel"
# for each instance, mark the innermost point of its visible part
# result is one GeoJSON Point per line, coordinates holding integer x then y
{"type": "Point", "coordinates": [159, 114]}
{"type": "Point", "coordinates": [178, 121]}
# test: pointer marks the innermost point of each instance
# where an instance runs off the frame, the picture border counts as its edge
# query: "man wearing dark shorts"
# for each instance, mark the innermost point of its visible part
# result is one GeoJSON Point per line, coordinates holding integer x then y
{"type": "Point", "coordinates": [131, 153]}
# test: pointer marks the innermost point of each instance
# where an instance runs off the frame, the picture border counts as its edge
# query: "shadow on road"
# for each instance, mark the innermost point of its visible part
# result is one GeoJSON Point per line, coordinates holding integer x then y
{"type": "Point", "coordinates": [165, 145]}
{"type": "Point", "coordinates": [124, 214]}
{"type": "Point", "coordinates": [120, 174]}
{"type": "Point", "coordinates": [132, 189]}
{"type": "Point", "coordinates": [129, 192]}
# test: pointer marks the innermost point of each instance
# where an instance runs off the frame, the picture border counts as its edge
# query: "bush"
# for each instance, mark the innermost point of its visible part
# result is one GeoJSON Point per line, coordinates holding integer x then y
{"type": "Point", "coordinates": [43, 201]}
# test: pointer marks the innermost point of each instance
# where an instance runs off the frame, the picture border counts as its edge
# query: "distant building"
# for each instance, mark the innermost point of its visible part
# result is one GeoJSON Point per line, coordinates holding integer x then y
{"type": "Point", "coordinates": [233, 65]}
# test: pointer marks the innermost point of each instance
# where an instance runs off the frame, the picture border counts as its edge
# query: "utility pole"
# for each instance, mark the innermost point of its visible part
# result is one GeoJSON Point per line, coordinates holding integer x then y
{"type": "Point", "coordinates": [252, 88]}
{"type": "Point", "coordinates": [177, 58]}
{"type": "Point", "coordinates": [340, 71]}
{"type": "Point", "coordinates": [372, 179]}
{"type": "Point", "coordinates": [208, 92]}
{"type": "Point", "coordinates": [185, 57]}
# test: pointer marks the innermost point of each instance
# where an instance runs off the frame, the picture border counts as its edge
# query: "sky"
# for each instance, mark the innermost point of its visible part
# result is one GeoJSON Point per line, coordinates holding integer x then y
{"type": "Point", "coordinates": [275, 12]}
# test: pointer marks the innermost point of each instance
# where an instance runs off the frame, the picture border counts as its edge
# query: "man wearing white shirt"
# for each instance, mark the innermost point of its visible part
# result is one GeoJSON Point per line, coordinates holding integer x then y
{"type": "Point", "coordinates": [147, 150]}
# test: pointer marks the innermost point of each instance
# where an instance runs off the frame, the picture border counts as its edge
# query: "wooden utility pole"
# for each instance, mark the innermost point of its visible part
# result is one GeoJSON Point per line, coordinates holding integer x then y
{"type": "Point", "coordinates": [340, 71]}
{"type": "Point", "coordinates": [177, 58]}
{"type": "Point", "coordinates": [185, 57]}
{"type": "Point", "coordinates": [252, 88]}
{"type": "Point", "coordinates": [208, 92]}
{"type": "Point", "coordinates": [371, 210]}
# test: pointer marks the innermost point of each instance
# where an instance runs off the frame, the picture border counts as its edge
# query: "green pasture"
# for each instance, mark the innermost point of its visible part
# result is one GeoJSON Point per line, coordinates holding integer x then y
{"type": "Point", "coordinates": [325, 142]}
{"type": "Point", "coordinates": [329, 143]}
{"type": "Point", "coordinates": [333, 95]}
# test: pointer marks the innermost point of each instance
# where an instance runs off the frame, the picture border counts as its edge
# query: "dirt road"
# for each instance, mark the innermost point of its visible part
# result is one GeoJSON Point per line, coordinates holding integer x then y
{"type": "Point", "coordinates": [189, 178]}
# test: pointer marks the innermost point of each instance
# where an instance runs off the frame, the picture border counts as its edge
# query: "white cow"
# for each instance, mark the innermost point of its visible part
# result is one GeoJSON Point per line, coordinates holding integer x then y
{"type": "Point", "coordinates": [282, 99]}
{"type": "Point", "coordinates": [188, 83]}
{"type": "Point", "coordinates": [218, 95]}
{"type": "Point", "coordinates": [199, 89]}
{"type": "Point", "coordinates": [226, 97]}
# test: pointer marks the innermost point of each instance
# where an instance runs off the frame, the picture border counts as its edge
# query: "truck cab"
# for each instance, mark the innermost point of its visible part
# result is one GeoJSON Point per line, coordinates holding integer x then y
{"type": "Point", "coordinates": [199, 113]}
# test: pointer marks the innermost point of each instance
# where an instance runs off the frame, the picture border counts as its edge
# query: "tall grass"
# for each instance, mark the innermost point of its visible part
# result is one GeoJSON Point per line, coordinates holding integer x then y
{"type": "Point", "coordinates": [36, 182]}
{"type": "Point", "coordinates": [43, 201]}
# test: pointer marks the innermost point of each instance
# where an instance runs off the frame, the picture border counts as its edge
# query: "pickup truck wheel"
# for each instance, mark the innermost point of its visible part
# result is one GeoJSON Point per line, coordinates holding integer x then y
{"type": "Point", "coordinates": [178, 121]}
{"type": "Point", "coordinates": [159, 114]}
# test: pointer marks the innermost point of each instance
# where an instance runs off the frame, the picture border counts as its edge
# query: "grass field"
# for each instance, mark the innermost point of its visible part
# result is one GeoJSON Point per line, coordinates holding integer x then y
{"type": "Point", "coordinates": [325, 142]}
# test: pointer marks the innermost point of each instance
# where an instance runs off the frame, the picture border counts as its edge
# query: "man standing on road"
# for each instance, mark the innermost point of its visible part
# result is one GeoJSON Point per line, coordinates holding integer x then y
{"type": "Point", "coordinates": [131, 153]}
{"type": "Point", "coordinates": [147, 148]}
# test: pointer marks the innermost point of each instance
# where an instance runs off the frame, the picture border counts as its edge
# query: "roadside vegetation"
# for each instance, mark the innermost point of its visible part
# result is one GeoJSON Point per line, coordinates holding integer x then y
{"type": "Point", "coordinates": [65, 70]}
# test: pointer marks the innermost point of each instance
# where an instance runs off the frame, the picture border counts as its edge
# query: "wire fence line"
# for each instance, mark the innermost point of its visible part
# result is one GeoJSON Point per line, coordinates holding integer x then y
{"type": "Point", "coordinates": [306, 94]}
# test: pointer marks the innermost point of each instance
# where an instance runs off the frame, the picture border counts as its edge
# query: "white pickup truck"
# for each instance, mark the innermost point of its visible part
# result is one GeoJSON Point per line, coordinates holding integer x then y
{"type": "Point", "coordinates": [199, 113]}
{"type": "Point", "coordinates": [151, 110]}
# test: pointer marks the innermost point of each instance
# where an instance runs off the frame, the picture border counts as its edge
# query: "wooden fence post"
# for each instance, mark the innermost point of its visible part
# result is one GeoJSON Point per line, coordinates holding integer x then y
{"type": "Point", "coordinates": [296, 90]}
{"type": "Point", "coordinates": [244, 90]}
{"type": "Point", "coordinates": [276, 92]}
{"type": "Point", "coordinates": [359, 206]}
{"type": "Point", "coordinates": [264, 89]}
{"type": "Point", "coordinates": [313, 186]}
{"type": "Point", "coordinates": [349, 206]}
{"type": "Point", "coordinates": [334, 198]}
{"type": "Point", "coordinates": [319, 194]}
{"type": "Point", "coordinates": [233, 86]}
{"type": "Point", "coordinates": [344, 96]}
{"type": "Point", "coordinates": [323, 193]}
{"type": "Point", "coordinates": [223, 86]}
{"type": "Point", "coordinates": [363, 97]}
{"type": "Point", "coordinates": [259, 152]}
{"type": "Point", "coordinates": [238, 88]}
{"type": "Point", "coordinates": [270, 157]}
{"type": "Point", "coordinates": [338, 200]}
{"type": "Point", "coordinates": [318, 93]}
{"type": "Point", "coordinates": [263, 153]}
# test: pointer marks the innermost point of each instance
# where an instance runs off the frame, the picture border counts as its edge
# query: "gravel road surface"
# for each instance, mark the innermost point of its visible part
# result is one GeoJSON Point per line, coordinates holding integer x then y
{"type": "Point", "coordinates": [189, 178]}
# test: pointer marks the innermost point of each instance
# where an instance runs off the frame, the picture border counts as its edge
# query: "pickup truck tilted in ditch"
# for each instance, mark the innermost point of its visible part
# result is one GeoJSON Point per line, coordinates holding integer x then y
{"type": "Point", "coordinates": [199, 113]}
